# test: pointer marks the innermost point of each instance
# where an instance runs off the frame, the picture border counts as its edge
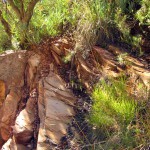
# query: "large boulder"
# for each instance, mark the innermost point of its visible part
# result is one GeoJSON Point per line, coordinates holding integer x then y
{"type": "Point", "coordinates": [12, 68]}
{"type": "Point", "coordinates": [47, 98]}
{"type": "Point", "coordinates": [18, 72]}
{"type": "Point", "coordinates": [56, 104]}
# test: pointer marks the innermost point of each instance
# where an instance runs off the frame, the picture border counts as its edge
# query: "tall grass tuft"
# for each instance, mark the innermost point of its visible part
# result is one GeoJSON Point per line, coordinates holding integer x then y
{"type": "Point", "coordinates": [122, 121]}
{"type": "Point", "coordinates": [112, 105]}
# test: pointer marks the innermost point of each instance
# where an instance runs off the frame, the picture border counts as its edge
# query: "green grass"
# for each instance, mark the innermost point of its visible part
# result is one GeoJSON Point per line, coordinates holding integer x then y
{"type": "Point", "coordinates": [112, 105]}
{"type": "Point", "coordinates": [112, 113]}
{"type": "Point", "coordinates": [122, 121]}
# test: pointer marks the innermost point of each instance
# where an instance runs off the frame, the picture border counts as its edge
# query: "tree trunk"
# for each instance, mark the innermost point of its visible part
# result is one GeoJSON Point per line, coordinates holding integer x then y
{"type": "Point", "coordinates": [24, 17]}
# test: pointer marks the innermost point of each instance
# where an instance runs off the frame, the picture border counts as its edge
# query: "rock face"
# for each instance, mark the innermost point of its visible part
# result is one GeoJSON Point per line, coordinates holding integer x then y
{"type": "Point", "coordinates": [36, 107]}
{"type": "Point", "coordinates": [2, 92]}
{"type": "Point", "coordinates": [55, 111]}
{"type": "Point", "coordinates": [18, 73]}
{"type": "Point", "coordinates": [12, 81]}
{"type": "Point", "coordinates": [112, 63]}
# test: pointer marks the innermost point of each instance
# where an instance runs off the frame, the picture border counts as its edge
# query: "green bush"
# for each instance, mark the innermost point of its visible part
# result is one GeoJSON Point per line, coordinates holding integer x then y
{"type": "Point", "coordinates": [143, 14]}
{"type": "Point", "coordinates": [85, 19]}
{"type": "Point", "coordinates": [48, 16]}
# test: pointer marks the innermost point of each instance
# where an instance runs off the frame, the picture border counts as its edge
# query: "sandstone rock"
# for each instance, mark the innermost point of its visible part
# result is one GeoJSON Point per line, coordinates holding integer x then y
{"type": "Point", "coordinates": [8, 113]}
{"type": "Point", "coordinates": [55, 110]}
{"type": "Point", "coordinates": [28, 71]}
{"type": "Point", "coordinates": [23, 128]}
{"type": "Point", "coordinates": [134, 66]}
{"type": "Point", "coordinates": [11, 145]}
{"type": "Point", "coordinates": [2, 92]}
{"type": "Point", "coordinates": [14, 68]}
{"type": "Point", "coordinates": [13, 78]}
{"type": "Point", "coordinates": [33, 63]}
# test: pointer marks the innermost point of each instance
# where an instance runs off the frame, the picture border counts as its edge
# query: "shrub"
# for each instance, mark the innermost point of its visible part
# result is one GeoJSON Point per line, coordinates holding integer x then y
{"type": "Point", "coordinates": [100, 18]}
{"type": "Point", "coordinates": [143, 13]}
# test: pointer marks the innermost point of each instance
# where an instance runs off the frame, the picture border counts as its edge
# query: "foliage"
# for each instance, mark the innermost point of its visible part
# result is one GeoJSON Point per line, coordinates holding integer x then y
{"type": "Point", "coordinates": [143, 14]}
{"type": "Point", "coordinates": [132, 19]}
{"type": "Point", "coordinates": [99, 19]}
{"type": "Point", "coordinates": [48, 18]}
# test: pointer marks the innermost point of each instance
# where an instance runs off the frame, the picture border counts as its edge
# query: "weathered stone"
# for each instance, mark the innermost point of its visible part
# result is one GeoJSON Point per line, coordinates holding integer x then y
{"type": "Point", "coordinates": [33, 63]}
{"type": "Point", "coordinates": [134, 67]}
{"type": "Point", "coordinates": [8, 112]}
{"type": "Point", "coordinates": [12, 66]}
{"type": "Point", "coordinates": [56, 103]}
{"type": "Point", "coordinates": [23, 128]}
{"type": "Point", "coordinates": [55, 112]}
{"type": "Point", "coordinates": [15, 67]}
{"type": "Point", "coordinates": [13, 78]}
{"type": "Point", "coordinates": [11, 145]}
{"type": "Point", "coordinates": [2, 92]}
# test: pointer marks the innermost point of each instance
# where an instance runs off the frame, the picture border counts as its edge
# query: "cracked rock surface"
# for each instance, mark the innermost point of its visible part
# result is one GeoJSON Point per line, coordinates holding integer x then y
{"type": "Point", "coordinates": [38, 108]}
{"type": "Point", "coordinates": [35, 110]}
